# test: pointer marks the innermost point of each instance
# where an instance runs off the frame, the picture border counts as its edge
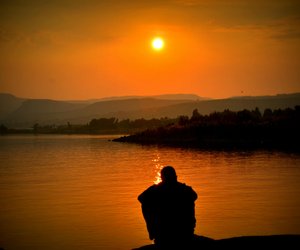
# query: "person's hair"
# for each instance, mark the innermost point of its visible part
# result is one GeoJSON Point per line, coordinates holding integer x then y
{"type": "Point", "coordinates": [168, 174]}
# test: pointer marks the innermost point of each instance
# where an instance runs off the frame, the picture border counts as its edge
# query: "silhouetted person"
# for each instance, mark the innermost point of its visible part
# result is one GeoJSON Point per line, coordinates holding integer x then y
{"type": "Point", "coordinates": [169, 211]}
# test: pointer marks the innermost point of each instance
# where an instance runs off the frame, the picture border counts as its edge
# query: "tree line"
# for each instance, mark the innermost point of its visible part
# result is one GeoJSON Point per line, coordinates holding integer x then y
{"type": "Point", "coordinates": [245, 126]}
{"type": "Point", "coordinates": [277, 128]}
{"type": "Point", "coordinates": [95, 126]}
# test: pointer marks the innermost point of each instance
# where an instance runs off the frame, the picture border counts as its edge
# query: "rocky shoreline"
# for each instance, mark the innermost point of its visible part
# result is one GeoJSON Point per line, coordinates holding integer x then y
{"type": "Point", "coordinates": [242, 242]}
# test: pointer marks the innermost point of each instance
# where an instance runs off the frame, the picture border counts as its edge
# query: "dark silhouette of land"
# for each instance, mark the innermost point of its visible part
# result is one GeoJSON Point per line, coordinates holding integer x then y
{"type": "Point", "coordinates": [267, 122]}
{"type": "Point", "coordinates": [245, 129]}
{"type": "Point", "coordinates": [23, 113]}
{"type": "Point", "coordinates": [282, 242]}
{"type": "Point", "coordinates": [169, 211]}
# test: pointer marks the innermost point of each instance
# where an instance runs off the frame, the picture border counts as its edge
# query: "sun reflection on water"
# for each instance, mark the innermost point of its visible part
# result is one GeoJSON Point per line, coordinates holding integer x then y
{"type": "Point", "coordinates": [158, 168]}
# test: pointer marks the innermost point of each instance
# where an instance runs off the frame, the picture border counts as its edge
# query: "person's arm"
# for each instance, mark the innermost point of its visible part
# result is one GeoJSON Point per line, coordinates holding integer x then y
{"type": "Point", "coordinates": [149, 218]}
{"type": "Point", "coordinates": [148, 211]}
{"type": "Point", "coordinates": [194, 195]}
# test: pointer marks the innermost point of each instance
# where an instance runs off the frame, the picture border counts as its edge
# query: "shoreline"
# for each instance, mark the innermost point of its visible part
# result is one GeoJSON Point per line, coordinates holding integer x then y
{"type": "Point", "coordinates": [285, 241]}
{"type": "Point", "coordinates": [215, 145]}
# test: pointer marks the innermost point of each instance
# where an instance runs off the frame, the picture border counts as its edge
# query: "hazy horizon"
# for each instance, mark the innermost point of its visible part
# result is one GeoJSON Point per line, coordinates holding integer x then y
{"type": "Point", "coordinates": [144, 96]}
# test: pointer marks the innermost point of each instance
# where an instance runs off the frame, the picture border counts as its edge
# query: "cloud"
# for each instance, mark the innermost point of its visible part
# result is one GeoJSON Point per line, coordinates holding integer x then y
{"type": "Point", "coordinates": [10, 36]}
{"type": "Point", "coordinates": [288, 33]}
{"type": "Point", "coordinates": [285, 28]}
{"type": "Point", "coordinates": [187, 2]}
{"type": "Point", "coordinates": [288, 28]}
{"type": "Point", "coordinates": [5, 36]}
{"type": "Point", "coordinates": [37, 38]}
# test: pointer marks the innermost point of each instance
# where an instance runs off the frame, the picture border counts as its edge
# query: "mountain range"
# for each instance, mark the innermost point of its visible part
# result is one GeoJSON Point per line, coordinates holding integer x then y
{"type": "Point", "coordinates": [18, 112]}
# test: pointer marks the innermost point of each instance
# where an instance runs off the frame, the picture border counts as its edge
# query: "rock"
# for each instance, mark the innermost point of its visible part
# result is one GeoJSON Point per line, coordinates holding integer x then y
{"type": "Point", "coordinates": [242, 242]}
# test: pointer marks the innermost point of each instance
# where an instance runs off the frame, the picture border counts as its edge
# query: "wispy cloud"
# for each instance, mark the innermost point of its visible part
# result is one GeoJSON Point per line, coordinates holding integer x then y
{"type": "Point", "coordinates": [8, 35]}
{"type": "Point", "coordinates": [284, 29]}
{"type": "Point", "coordinates": [277, 29]}
{"type": "Point", "coordinates": [287, 34]}
{"type": "Point", "coordinates": [187, 2]}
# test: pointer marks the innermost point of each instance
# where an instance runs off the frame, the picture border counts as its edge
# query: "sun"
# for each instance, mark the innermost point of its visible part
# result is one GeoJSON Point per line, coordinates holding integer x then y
{"type": "Point", "coordinates": [158, 43]}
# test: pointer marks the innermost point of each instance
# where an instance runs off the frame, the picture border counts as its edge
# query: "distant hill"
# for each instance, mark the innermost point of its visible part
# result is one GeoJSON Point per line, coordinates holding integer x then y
{"type": "Point", "coordinates": [234, 104]}
{"type": "Point", "coordinates": [41, 111]}
{"type": "Point", "coordinates": [25, 113]}
{"type": "Point", "coordinates": [129, 105]}
{"type": "Point", "coordinates": [8, 104]}
{"type": "Point", "coordinates": [187, 97]}
{"type": "Point", "coordinates": [21, 113]}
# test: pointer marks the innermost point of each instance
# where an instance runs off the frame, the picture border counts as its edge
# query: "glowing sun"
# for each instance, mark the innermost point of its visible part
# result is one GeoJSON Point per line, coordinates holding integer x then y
{"type": "Point", "coordinates": [157, 43]}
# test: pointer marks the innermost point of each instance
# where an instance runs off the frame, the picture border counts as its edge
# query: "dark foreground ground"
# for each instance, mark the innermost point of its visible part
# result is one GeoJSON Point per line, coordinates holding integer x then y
{"type": "Point", "coordinates": [242, 242]}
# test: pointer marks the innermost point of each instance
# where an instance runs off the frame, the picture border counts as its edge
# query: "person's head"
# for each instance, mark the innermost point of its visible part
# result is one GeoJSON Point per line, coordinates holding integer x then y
{"type": "Point", "coordinates": [168, 175]}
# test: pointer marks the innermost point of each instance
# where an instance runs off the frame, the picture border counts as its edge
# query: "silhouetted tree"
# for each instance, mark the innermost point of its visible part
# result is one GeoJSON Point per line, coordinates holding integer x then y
{"type": "Point", "coordinates": [268, 113]}
{"type": "Point", "coordinates": [196, 116]}
{"type": "Point", "coordinates": [183, 120]}
{"type": "Point", "coordinates": [103, 124]}
{"type": "Point", "coordinates": [36, 127]}
{"type": "Point", "coordinates": [278, 128]}
{"type": "Point", "coordinates": [3, 129]}
{"type": "Point", "coordinates": [256, 115]}
{"type": "Point", "coordinates": [245, 116]}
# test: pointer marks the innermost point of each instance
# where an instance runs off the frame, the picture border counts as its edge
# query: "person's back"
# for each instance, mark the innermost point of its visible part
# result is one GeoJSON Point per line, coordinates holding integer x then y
{"type": "Point", "coordinates": [168, 209]}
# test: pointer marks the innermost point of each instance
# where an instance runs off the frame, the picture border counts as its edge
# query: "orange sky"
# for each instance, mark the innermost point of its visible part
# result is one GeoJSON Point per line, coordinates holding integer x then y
{"type": "Point", "coordinates": [89, 49]}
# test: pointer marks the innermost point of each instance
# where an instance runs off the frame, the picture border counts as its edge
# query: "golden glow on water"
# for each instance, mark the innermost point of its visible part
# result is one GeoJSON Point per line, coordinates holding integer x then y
{"type": "Point", "coordinates": [158, 167]}
{"type": "Point", "coordinates": [80, 192]}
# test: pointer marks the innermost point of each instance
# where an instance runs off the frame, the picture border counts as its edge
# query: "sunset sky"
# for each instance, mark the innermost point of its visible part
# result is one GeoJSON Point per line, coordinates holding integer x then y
{"type": "Point", "coordinates": [71, 49]}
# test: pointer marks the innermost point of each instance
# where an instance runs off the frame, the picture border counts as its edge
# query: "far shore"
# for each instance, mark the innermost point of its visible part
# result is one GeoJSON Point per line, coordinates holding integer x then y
{"type": "Point", "coordinates": [218, 145]}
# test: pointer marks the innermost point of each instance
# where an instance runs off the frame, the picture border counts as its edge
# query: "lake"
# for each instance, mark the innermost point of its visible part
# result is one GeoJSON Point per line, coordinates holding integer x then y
{"type": "Point", "coordinates": [80, 192]}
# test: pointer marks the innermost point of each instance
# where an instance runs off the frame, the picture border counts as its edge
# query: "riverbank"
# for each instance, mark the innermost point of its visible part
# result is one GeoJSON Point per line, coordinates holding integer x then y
{"type": "Point", "coordinates": [219, 138]}
{"type": "Point", "coordinates": [242, 242]}
{"type": "Point", "coordinates": [227, 130]}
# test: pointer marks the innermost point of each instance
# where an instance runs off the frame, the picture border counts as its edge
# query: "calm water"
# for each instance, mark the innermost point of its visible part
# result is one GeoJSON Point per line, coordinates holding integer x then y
{"type": "Point", "coordinates": [80, 192]}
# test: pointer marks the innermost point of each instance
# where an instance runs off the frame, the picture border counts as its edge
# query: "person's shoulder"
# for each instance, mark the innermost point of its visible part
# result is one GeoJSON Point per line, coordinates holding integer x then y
{"type": "Point", "coordinates": [152, 188]}
{"type": "Point", "coordinates": [183, 185]}
{"type": "Point", "coordinates": [187, 189]}
{"type": "Point", "coordinates": [147, 193]}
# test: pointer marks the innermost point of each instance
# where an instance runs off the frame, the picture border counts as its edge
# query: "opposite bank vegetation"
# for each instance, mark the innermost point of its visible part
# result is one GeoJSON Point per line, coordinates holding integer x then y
{"type": "Point", "coordinates": [277, 128]}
